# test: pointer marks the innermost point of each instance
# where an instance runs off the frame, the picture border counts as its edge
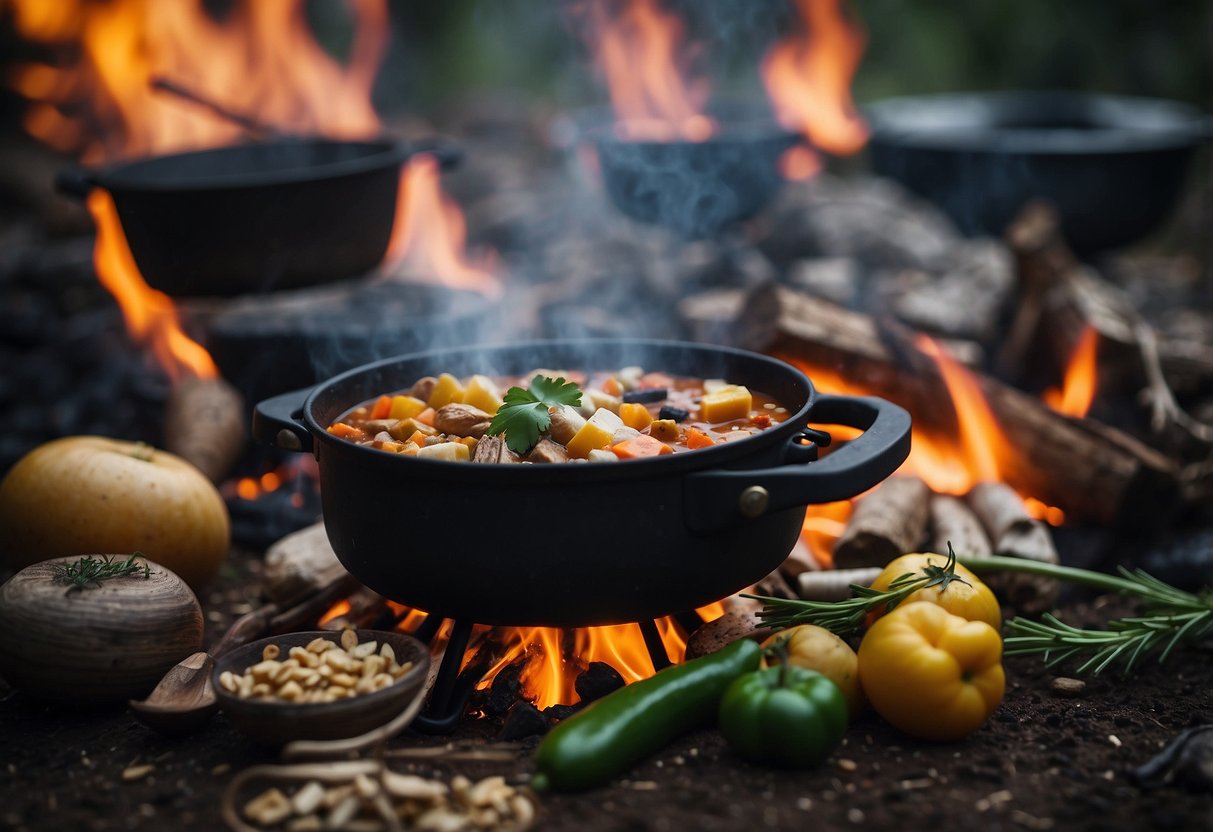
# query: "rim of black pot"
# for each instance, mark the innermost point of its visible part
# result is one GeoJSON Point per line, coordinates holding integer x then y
{"type": "Point", "coordinates": [1058, 122]}
{"type": "Point", "coordinates": [737, 122]}
{"type": "Point", "coordinates": [155, 173]}
{"type": "Point", "coordinates": [718, 456]}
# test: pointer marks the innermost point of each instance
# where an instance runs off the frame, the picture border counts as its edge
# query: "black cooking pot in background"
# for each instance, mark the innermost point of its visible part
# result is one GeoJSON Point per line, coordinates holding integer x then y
{"type": "Point", "coordinates": [694, 188]}
{"type": "Point", "coordinates": [1113, 166]}
{"type": "Point", "coordinates": [579, 544]}
{"type": "Point", "coordinates": [280, 214]}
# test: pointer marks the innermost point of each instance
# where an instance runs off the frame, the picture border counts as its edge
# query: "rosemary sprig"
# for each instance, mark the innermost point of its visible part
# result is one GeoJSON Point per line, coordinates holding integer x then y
{"type": "Point", "coordinates": [844, 617]}
{"type": "Point", "coordinates": [1171, 617]}
{"type": "Point", "coordinates": [90, 571]}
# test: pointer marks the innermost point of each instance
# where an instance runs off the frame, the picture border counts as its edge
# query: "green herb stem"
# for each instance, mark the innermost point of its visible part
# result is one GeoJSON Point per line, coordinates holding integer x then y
{"type": "Point", "coordinates": [90, 571]}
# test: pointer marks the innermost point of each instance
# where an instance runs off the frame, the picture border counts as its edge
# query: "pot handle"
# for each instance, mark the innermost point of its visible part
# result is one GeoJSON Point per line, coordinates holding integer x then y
{"type": "Point", "coordinates": [719, 499]}
{"type": "Point", "coordinates": [278, 421]}
{"type": "Point", "coordinates": [75, 182]}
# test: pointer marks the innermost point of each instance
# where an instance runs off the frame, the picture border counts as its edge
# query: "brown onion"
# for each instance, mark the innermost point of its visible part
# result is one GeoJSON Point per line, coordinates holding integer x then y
{"type": "Point", "coordinates": [107, 642]}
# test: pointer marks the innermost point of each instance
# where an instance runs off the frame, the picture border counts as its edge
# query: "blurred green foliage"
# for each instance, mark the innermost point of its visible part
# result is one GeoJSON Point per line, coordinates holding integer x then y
{"type": "Point", "coordinates": [1158, 48]}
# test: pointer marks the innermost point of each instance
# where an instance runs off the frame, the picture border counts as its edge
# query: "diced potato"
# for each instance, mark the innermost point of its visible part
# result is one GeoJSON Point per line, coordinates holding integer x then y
{"type": "Point", "coordinates": [405, 428]}
{"type": "Point", "coordinates": [481, 392]}
{"type": "Point", "coordinates": [635, 415]}
{"type": "Point", "coordinates": [406, 407]}
{"type": "Point", "coordinates": [603, 400]}
{"type": "Point", "coordinates": [624, 434]}
{"type": "Point", "coordinates": [566, 421]}
{"type": "Point", "coordinates": [447, 390]}
{"type": "Point", "coordinates": [600, 455]}
{"type": "Point", "coordinates": [713, 385]}
{"type": "Point", "coordinates": [664, 429]}
{"type": "Point", "coordinates": [449, 451]}
{"type": "Point", "coordinates": [597, 433]}
{"type": "Point", "coordinates": [730, 402]}
{"type": "Point", "coordinates": [629, 377]}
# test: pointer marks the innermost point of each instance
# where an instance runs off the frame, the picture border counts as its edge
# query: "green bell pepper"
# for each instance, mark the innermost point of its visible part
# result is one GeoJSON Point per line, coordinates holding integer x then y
{"type": "Point", "coordinates": [785, 716]}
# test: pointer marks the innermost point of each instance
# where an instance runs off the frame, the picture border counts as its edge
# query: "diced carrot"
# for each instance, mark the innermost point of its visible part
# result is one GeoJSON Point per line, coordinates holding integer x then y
{"type": "Point", "coordinates": [382, 408]}
{"type": "Point", "coordinates": [426, 417]}
{"type": "Point", "coordinates": [418, 438]}
{"type": "Point", "coordinates": [635, 415]}
{"type": "Point", "coordinates": [639, 446]}
{"type": "Point", "coordinates": [698, 439]}
{"type": "Point", "coordinates": [346, 431]}
{"type": "Point", "coordinates": [761, 420]}
{"type": "Point", "coordinates": [612, 387]}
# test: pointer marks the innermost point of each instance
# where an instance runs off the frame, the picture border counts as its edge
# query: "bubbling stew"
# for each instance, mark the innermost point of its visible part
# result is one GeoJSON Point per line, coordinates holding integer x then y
{"type": "Point", "coordinates": [550, 416]}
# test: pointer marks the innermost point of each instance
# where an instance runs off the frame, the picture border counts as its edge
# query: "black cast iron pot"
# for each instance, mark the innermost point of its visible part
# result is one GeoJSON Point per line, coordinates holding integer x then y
{"type": "Point", "coordinates": [274, 215]}
{"type": "Point", "coordinates": [1112, 165]}
{"type": "Point", "coordinates": [579, 544]}
{"type": "Point", "coordinates": [695, 188]}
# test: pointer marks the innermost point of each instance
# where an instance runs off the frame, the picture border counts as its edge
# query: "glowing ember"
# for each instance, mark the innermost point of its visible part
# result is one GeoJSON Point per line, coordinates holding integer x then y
{"type": "Point", "coordinates": [150, 315]}
{"type": "Point", "coordinates": [1078, 387]}
{"type": "Point", "coordinates": [638, 48]}
{"type": "Point", "coordinates": [554, 658]}
{"type": "Point", "coordinates": [429, 233]}
{"type": "Point", "coordinates": [259, 59]}
{"type": "Point", "coordinates": [298, 473]}
{"type": "Point", "coordinates": [808, 77]}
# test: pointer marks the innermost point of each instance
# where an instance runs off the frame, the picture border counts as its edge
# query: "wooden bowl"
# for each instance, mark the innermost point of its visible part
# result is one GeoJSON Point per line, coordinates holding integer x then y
{"type": "Point", "coordinates": [276, 723]}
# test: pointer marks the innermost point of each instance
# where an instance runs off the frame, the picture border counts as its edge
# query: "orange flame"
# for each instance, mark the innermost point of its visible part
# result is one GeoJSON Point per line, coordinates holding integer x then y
{"type": "Point", "coordinates": [638, 48]}
{"type": "Point", "coordinates": [150, 315]}
{"type": "Point", "coordinates": [554, 658]}
{"type": "Point", "coordinates": [1078, 386]}
{"type": "Point", "coordinates": [429, 233]}
{"type": "Point", "coordinates": [260, 61]}
{"type": "Point", "coordinates": [808, 77]}
{"type": "Point", "coordinates": [948, 464]}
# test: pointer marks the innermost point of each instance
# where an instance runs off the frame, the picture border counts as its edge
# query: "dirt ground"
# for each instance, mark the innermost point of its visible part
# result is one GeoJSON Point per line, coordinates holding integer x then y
{"type": "Point", "coordinates": [1044, 761]}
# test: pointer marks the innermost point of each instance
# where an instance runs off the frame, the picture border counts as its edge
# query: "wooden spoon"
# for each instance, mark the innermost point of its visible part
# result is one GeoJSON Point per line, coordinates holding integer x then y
{"type": "Point", "coordinates": [184, 699]}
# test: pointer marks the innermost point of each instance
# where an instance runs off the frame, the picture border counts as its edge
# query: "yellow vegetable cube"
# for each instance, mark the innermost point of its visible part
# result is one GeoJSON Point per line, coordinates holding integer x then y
{"type": "Point", "coordinates": [481, 392]}
{"type": "Point", "coordinates": [730, 402]}
{"type": "Point", "coordinates": [406, 407]}
{"type": "Point", "coordinates": [597, 433]}
{"type": "Point", "coordinates": [664, 429]}
{"type": "Point", "coordinates": [447, 390]}
{"type": "Point", "coordinates": [449, 451]}
{"type": "Point", "coordinates": [635, 415]}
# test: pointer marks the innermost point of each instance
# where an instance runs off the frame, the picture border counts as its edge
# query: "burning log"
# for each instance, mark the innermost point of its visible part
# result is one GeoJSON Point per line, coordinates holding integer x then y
{"type": "Point", "coordinates": [887, 523]}
{"type": "Point", "coordinates": [1015, 534]}
{"type": "Point", "coordinates": [954, 523]}
{"type": "Point", "coordinates": [204, 424]}
{"type": "Point", "coordinates": [1090, 471]}
{"type": "Point", "coordinates": [1062, 298]}
{"type": "Point", "coordinates": [301, 564]}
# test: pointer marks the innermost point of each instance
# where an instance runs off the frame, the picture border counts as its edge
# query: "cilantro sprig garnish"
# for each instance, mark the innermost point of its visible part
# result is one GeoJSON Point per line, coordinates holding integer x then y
{"type": "Point", "coordinates": [523, 414]}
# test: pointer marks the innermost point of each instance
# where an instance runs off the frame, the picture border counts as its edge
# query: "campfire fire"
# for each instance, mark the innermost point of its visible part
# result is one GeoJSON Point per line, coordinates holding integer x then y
{"type": "Point", "coordinates": [951, 464]}
{"type": "Point", "coordinates": [638, 48]}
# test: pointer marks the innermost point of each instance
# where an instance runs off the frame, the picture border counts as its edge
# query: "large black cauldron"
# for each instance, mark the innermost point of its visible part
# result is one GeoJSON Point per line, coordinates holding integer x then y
{"type": "Point", "coordinates": [580, 545]}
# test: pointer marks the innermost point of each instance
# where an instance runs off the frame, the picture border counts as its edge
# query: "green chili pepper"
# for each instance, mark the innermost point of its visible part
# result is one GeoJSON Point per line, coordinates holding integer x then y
{"type": "Point", "coordinates": [784, 716]}
{"type": "Point", "coordinates": [612, 734]}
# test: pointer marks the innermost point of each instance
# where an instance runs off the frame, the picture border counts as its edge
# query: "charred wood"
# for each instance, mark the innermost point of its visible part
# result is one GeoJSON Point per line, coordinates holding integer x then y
{"type": "Point", "coordinates": [954, 524]}
{"type": "Point", "coordinates": [1015, 533]}
{"type": "Point", "coordinates": [888, 522]}
{"type": "Point", "coordinates": [1091, 472]}
{"type": "Point", "coordinates": [204, 425]}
